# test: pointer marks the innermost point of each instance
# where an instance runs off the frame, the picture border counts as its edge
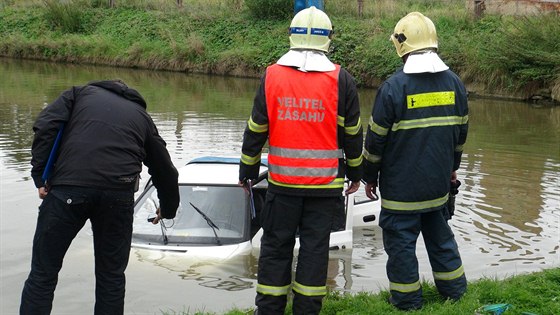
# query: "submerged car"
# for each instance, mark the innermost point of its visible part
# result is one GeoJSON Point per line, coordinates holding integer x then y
{"type": "Point", "coordinates": [218, 218]}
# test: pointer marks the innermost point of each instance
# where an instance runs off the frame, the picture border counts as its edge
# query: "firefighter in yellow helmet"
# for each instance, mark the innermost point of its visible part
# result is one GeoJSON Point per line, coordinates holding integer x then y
{"type": "Point", "coordinates": [307, 108]}
{"type": "Point", "coordinates": [413, 149]}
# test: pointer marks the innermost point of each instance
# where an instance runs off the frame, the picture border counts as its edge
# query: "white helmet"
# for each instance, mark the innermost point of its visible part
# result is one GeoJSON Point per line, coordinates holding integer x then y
{"type": "Point", "coordinates": [311, 28]}
{"type": "Point", "coordinates": [414, 32]}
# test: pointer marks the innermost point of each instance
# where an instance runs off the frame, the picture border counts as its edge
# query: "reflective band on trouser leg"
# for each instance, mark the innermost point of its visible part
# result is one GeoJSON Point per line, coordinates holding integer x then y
{"type": "Point", "coordinates": [449, 275]}
{"type": "Point", "coordinates": [309, 290]}
{"type": "Point", "coordinates": [273, 290]}
{"type": "Point", "coordinates": [307, 299]}
{"type": "Point", "coordinates": [405, 287]}
{"type": "Point", "coordinates": [271, 299]}
{"type": "Point", "coordinates": [451, 284]}
{"type": "Point", "coordinates": [406, 296]}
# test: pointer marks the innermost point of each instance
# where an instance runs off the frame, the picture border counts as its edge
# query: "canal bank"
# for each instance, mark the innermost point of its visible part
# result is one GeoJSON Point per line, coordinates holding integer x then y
{"type": "Point", "coordinates": [496, 56]}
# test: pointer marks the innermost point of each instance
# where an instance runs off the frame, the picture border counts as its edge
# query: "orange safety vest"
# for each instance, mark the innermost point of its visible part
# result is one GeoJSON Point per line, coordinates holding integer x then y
{"type": "Point", "coordinates": [302, 116]}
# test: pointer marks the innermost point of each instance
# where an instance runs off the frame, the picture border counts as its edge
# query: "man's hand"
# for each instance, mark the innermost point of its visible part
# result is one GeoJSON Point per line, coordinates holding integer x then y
{"type": "Point", "coordinates": [43, 192]}
{"type": "Point", "coordinates": [453, 176]}
{"type": "Point", "coordinates": [371, 189]}
{"type": "Point", "coordinates": [245, 184]}
{"type": "Point", "coordinates": [352, 188]}
{"type": "Point", "coordinates": [158, 216]}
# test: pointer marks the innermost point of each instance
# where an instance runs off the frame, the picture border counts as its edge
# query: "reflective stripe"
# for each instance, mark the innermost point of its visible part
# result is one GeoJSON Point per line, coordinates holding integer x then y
{"type": "Point", "coordinates": [309, 290]}
{"type": "Point", "coordinates": [430, 99]}
{"type": "Point", "coordinates": [298, 145]}
{"type": "Point", "coordinates": [303, 171]}
{"type": "Point", "coordinates": [371, 157]}
{"type": "Point", "coordinates": [459, 148]}
{"type": "Point", "coordinates": [430, 122]}
{"type": "Point", "coordinates": [350, 130]}
{"type": "Point", "coordinates": [254, 127]}
{"type": "Point", "coordinates": [336, 183]}
{"type": "Point", "coordinates": [313, 31]}
{"type": "Point", "coordinates": [355, 162]}
{"type": "Point", "coordinates": [452, 275]}
{"type": "Point", "coordinates": [405, 287]}
{"type": "Point", "coordinates": [340, 121]}
{"type": "Point", "coordinates": [415, 205]}
{"type": "Point", "coordinates": [382, 131]}
{"type": "Point", "coordinates": [298, 30]}
{"type": "Point", "coordinates": [272, 290]}
{"type": "Point", "coordinates": [305, 154]}
{"type": "Point", "coordinates": [320, 31]}
{"type": "Point", "coordinates": [250, 160]}
{"type": "Point", "coordinates": [353, 130]}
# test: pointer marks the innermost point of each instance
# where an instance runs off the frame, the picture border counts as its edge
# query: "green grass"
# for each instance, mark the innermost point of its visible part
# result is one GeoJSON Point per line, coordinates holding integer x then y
{"type": "Point", "coordinates": [535, 293]}
{"type": "Point", "coordinates": [507, 55]}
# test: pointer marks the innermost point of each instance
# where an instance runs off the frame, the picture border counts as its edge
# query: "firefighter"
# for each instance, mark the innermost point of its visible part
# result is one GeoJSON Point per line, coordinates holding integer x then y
{"type": "Point", "coordinates": [307, 108]}
{"type": "Point", "coordinates": [413, 147]}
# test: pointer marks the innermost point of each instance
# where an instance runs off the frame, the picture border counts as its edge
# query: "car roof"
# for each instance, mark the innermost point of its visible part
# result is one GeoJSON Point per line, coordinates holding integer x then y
{"type": "Point", "coordinates": [214, 170]}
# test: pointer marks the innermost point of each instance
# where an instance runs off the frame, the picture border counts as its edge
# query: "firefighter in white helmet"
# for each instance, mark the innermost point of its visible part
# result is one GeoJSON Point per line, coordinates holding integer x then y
{"type": "Point", "coordinates": [413, 148]}
{"type": "Point", "coordinates": [307, 108]}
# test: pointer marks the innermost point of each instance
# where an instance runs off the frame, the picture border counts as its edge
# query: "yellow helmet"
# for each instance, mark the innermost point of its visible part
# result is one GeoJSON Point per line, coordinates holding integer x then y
{"type": "Point", "coordinates": [414, 32]}
{"type": "Point", "coordinates": [311, 28]}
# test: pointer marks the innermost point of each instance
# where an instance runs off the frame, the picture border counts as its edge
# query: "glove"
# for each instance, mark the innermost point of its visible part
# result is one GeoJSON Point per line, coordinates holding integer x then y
{"type": "Point", "coordinates": [453, 191]}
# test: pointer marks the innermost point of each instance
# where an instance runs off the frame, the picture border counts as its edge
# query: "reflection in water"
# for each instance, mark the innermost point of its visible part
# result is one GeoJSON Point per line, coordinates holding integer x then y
{"type": "Point", "coordinates": [511, 193]}
{"type": "Point", "coordinates": [507, 215]}
{"type": "Point", "coordinates": [236, 274]}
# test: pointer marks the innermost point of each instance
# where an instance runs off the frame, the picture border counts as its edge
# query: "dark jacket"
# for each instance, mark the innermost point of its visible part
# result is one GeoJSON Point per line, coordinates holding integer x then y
{"type": "Point", "coordinates": [350, 138]}
{"type": "Point", "coordinates": [415, 139]}
{"type": "Point", "coordinates": [107, 136]}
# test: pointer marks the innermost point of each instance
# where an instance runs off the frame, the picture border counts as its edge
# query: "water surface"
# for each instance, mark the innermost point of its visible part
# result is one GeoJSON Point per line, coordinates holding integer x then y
{"type": "Point", "coordinates": [507, 217]}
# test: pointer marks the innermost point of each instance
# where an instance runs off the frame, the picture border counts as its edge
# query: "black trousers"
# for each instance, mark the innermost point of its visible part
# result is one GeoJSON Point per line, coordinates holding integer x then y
{"type": "Point", "coordinates": [283, 218]}
{"type": "Point", "coordinates": [62, 215]}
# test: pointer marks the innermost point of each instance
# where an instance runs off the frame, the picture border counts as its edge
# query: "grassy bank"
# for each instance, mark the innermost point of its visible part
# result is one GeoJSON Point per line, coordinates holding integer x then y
{"type": "Point", "coordinates": [517, 56]}
{"type": "Point", "coordinates": [530, 294]}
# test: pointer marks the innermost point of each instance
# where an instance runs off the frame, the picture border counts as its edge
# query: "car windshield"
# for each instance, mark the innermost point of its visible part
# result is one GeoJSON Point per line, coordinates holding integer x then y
{"type": "Point", "coordinates": [207, 215]}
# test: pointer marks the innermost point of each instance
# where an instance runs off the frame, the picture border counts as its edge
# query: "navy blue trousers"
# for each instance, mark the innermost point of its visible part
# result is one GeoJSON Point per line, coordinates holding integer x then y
{"type": "Point", "coordinates": [400, 232]}
{"type": "Point", "coordinates": [62, 215]}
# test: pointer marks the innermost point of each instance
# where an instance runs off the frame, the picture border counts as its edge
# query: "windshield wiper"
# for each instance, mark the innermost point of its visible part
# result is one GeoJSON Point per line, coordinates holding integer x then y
{"type": "Point", "coordinates": [210, 223]}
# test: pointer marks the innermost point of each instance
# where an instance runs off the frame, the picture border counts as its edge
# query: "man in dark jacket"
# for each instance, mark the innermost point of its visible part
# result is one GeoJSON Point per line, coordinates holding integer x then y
{"type": "Point", "coordinates": [414, 144]}
{"type": "Point", "coordinates": [307, 108]}
{"type": "Point", "coordinates": [107, 135]}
